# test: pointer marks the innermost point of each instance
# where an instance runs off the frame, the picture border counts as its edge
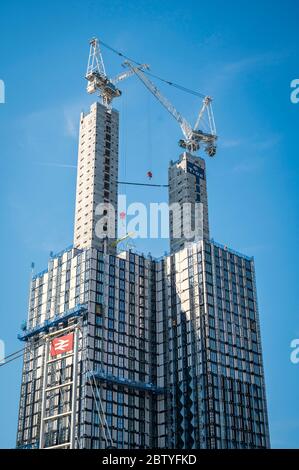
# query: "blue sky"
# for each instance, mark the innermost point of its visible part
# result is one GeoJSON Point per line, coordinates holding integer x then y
{"type": "Point", "coordinates": [242, 53]}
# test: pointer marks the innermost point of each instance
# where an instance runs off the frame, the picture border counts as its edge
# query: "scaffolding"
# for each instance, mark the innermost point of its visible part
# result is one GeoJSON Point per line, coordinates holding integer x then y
{"type": "Point", "coordinates": [60, 376]}
{"type": "Point", "coordinates": [104, 377]}
{"type": "Point", "coordinates": [44, 327]}
{"type": "Point", "coordinates": [59, 394]}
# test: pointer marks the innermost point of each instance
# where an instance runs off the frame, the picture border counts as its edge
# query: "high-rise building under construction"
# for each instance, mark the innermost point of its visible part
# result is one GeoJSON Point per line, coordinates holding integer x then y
{"type": "Point", "coordinates": [96, 177]}
{"type": "Point", "coordinates": [127, 351]}
{"type": "Point", "coordinates": [188, 222]}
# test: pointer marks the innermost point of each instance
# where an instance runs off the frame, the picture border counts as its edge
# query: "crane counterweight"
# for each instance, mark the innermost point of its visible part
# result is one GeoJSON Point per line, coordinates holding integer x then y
{"type": "Point", "coordinates": [98, 81]}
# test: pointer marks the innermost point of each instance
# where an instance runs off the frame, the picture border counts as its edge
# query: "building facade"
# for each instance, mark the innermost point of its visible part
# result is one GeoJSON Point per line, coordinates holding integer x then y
{"type": "Point", "coordinates": [109, 302]}
{"type": "Point", "coordinates": [169, 352]}
{"type": "Point", "coordinates": [127, 351]}
{"type": "Point", "coordinates": [213, 365]}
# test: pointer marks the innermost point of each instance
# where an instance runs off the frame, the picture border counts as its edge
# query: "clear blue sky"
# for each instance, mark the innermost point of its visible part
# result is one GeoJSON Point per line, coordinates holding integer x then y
{"type": "Point", "coordinates": [245, 55]}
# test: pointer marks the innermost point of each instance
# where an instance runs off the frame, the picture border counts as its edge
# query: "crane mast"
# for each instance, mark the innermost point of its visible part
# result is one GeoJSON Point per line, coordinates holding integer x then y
{"type": "Point", "coordinates": [96, 76]}
{"type": "Point", "coordinates": [98, 81]}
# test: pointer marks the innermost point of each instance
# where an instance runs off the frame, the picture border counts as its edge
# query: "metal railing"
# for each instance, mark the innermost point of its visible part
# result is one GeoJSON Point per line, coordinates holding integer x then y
{"type": "Point", "coordinates": [101, 375]}
{"type": "Point", "coordinates": [58, 318]}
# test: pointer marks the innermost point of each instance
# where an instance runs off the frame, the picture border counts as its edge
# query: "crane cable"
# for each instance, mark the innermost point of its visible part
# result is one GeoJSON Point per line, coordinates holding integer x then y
{"type": "Point", "coordinates": [168, 82]}
{"type": "Point", "coordinates": [149, 133]}
{"type": "Point", "coordinates": [97, 398]}
{"type": "Point", "coordinates": [4, 361]}
{"type": "Point", "coordinates": [144, 184]}
{"type": "Point", "coordinates": [16, 354]}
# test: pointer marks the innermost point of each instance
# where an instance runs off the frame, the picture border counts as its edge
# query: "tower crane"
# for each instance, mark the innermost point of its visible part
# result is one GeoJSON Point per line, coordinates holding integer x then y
{"type": "Point", "coordinates": [193, 137]}
{"type": "Point", "coordinates": [98, 81]}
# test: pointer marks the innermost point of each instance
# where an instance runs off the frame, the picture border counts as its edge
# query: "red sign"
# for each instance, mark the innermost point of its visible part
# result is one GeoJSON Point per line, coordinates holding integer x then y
{"type": "Point", "coordinates": [62, 344]}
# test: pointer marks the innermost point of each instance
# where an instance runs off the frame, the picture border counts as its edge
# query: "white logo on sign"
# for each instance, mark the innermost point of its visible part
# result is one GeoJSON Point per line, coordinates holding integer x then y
{"type": "Point", "coordinates": [61, 344]}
